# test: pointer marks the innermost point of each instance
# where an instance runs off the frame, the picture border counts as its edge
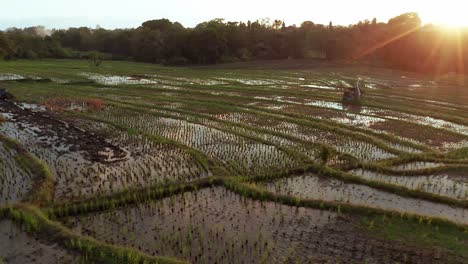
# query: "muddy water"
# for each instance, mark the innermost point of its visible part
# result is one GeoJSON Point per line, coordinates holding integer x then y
{"type": "Point", "coordinates": [311, 186]}
{"type": "Point", "coordinates": [17, 247]}
{"type": "Point", "coordinates": [440, 184]}
{"type": "Point", "coordinates": [15, 182]}
{"type": "Point", "coordinates": [217, 226]}
{"type": "Point", "coordinates": [243, 154]}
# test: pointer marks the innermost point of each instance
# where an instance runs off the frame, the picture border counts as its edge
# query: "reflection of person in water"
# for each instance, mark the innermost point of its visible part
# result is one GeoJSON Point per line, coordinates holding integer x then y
{"type": "Point", "coordinates": [356, 108]}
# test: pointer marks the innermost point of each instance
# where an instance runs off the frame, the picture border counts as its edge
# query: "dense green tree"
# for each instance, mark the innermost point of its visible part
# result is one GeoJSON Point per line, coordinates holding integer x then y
{"type": "Point", "coordinates": [402, 43]}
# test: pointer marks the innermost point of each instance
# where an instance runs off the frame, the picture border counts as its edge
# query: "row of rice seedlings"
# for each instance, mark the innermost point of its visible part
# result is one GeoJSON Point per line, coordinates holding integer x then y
{"type": "Point", "coordinates": [19, 247]}
{"type": "Point", "coordinates": [422, 120]}
{"type": "Point", "coordinates": [310, 186]}
{"type": "Point", "coordinates": [374, 114]}
{"type": "Point", "coordinates": [224, 113]}
{"type": "Point", "coordinates": [217, 226]}
{"type": "Point", "coordinates": [389, 141]}
{"type": "Point", "coordinates": [15, 180]}
{"type": "Point", "coordinates": [360, 149]}
{"type": "Point", "coordinates": [313, 152]}
{"type": "Point", "coordinates": [439, 184]}
{"type": "Point", "coordinates": [149, 163]}
{"type": "Point", "coordinates": [343, 120]}
{"type": "Point", "coordinates": [445, 104]}
{"type": "Point", "coordinates": [232, 150]}
{"type": "Point", "coordinates": [78, 177]}
{"type": "Point", "coordinates": [269, 119]}
{"type": "Point", "coordinates": [373, 118]}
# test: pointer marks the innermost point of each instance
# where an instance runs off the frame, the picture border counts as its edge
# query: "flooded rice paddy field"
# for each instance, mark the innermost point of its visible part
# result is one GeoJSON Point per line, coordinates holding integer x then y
{"type": "Point", "coordinates": [217, 226]}
{"type": "Point", "coordinates": [313, 187]}
{"type": "Point", "coordinates": [441, 184]}
{"type": "Point", "coordinates": [160, 127]}
{"type": "Point", "coordinates": [85, 164]}
{"type": "Point", "coordinates": [18, 247]}
{"type": "Point", "coordinates": [232, 150]}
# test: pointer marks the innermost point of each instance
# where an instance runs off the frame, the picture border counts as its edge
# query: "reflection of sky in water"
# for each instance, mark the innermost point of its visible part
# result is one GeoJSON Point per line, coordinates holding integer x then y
{"type": "Point", "coordinates": [439, 184]}
{"type": "Point", "coordinates": [313, 187]}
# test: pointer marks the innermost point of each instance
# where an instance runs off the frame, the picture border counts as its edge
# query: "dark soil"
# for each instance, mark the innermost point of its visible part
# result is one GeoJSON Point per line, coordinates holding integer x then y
{"type": "Point", "coordinates": [60, 133]}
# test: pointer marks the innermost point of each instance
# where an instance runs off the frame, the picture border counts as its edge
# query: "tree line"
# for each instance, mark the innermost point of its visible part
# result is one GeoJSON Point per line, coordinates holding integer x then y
{"type": "Point", "coordinates": [402, 42]}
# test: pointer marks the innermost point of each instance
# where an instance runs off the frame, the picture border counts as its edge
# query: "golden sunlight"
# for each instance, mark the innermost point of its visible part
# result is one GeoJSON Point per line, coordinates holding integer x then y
{"type": "Point", "coordinates": [448, 13]}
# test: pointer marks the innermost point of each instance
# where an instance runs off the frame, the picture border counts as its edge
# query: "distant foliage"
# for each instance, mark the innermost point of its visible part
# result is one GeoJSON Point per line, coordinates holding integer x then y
{"type": "Point", "coordinates": [402, 42]}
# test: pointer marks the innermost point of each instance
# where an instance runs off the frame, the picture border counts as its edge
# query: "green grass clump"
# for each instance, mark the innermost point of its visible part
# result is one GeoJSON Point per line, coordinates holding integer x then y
{"type": "Point", "coordinates": [424, 233]}
{"type": "Point", "coordinates": [461, 153]}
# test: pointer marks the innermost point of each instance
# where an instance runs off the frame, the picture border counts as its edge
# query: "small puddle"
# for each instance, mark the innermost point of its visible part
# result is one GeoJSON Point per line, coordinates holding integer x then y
{"type": "Point", "coordinates": [116, 80]}
{"type": "Point", "coordinates": [10, 77]}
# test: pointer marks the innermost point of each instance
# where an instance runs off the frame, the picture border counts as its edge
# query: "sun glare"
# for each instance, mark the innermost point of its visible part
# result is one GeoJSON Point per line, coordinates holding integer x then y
{"type": "Point", "coordinates": [448, 14]}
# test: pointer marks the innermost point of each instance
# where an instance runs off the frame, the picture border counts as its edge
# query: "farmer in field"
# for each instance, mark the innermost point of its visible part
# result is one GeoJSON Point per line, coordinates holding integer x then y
{"type": "Point", "coordinates": [353, 94]}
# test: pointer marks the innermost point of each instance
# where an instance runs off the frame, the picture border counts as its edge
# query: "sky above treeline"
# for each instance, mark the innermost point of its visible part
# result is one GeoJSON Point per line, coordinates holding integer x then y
{"type": "Point", "coordinates": [131, 13]}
